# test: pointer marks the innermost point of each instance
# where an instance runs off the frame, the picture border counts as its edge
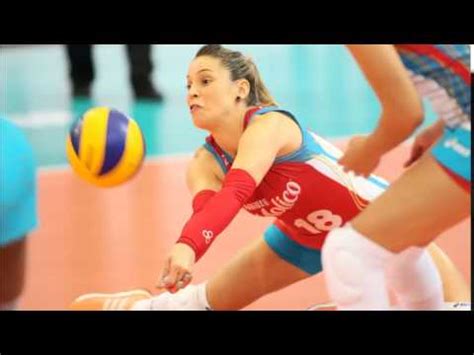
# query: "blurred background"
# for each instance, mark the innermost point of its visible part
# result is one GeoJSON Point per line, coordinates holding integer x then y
{"type": "Point", "coordinates": [321, 84]}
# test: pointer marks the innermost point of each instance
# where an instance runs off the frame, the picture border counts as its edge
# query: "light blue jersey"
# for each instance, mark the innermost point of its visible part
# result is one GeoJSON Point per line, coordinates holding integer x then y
{"type": "Point", "coordinates": [454, 150]}
{"type": "Point", "coordinates": [18, 214]}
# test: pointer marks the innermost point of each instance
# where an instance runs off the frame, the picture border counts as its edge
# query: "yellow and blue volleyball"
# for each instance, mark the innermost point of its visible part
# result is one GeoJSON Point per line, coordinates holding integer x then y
{"type": "Point", "coordinates": [105, 147]}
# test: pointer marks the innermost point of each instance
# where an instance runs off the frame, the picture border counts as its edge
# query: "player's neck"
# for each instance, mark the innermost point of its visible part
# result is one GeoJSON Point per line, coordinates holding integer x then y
{"type": "Point", "coordinates": [227, 135]}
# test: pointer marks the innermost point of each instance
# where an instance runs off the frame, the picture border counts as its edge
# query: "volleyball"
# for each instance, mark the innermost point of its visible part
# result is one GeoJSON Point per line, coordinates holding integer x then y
{"type": "Point", "coordinates": [105, 147]}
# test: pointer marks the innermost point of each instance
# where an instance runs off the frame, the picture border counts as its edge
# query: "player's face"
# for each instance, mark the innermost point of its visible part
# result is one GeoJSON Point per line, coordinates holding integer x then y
{"type": "Point", "coordinates": [211, 92]}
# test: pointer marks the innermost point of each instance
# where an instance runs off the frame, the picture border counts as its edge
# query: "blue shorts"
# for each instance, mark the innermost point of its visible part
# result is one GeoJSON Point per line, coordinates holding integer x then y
{"type": "Point", "coordinates": [304, 258]}
{"type": "Point", "coordinates": [453, 151]}
{"type": "Point", "coordinates": [18, 215]}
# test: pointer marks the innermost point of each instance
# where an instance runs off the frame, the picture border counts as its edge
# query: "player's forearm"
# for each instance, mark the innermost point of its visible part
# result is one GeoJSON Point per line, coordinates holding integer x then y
{"type": "Point", "coordinates": [217, 212]}
{"type": "Point", "coordinates": [392, 130]}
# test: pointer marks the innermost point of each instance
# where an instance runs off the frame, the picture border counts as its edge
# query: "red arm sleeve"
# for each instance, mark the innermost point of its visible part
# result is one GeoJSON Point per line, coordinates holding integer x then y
{"type": "Point", "coordinates": [217, 211]}
{"type": "Point", "coordinates": [201, 199]}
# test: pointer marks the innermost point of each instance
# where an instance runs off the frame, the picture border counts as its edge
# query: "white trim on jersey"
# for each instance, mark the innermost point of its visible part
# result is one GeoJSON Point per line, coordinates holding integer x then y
{"type": "Point", "coordinates": [362, 186]}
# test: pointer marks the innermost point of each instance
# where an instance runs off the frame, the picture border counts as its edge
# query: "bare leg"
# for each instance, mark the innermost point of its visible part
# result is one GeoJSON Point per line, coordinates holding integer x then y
{"type": "Point", "coordinates": [419, 206]}
{"type": "Point", "coordinates": [251, 274]}
{"type": "Point", "coordinates": [416, 208]}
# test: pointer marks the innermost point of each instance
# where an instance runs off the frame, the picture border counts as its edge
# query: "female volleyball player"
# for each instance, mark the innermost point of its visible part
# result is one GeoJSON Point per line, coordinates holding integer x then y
{"type": "Point", "coordinates": [259, 158]}
{"type": "Point", "coordinates": [430, 197]}
{"type": "Point", "coordinates": [18, 215]}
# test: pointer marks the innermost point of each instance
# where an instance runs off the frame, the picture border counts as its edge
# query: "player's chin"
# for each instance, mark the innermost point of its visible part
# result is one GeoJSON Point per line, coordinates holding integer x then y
{"type": "Point", "coordinates": [197, 119]}
{"type": "Point", "coordinates": [201, 122]}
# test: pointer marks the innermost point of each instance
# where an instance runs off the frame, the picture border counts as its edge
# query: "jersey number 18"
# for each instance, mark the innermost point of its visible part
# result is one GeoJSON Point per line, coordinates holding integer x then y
{"type": "Point", "coordinates": [319, 221]}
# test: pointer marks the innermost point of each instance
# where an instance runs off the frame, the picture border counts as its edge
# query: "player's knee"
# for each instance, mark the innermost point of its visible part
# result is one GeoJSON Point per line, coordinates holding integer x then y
{"type": "Point", "coordinates": [413, 274]}
{"type": "Point", "coordinates": [348, 259]}
{"type": "Point", "coordinates": [342, 267]}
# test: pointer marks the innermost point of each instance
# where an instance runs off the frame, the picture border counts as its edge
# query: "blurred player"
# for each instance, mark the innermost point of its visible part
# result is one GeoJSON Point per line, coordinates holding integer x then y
{"type": "Point", "coordinates": [18, 215]}
{"type": "Point", "coordinates": [430, 197]}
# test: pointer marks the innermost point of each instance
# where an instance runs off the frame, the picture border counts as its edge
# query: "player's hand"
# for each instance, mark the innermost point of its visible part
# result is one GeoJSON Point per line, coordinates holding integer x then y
{"type": "Point", "coordinates": [359, 157]}
{"type": "Point", "coordinates": [177, 271]}
{"type": "Point", "coordinates": [423, 142]}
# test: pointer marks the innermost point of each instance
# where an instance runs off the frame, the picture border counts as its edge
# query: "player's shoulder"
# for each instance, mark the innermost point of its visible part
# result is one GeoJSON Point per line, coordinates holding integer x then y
{"type": "Point", "coordinates": [202, 155]}
{"type": "Point", "coordinates": [273, 113]}
{"type": "Point", "coordinates": [204, 160]}
{"type": "Point", "coordinates": [273, 121]}
{"type": "Point", "coordinates": [14, 143]}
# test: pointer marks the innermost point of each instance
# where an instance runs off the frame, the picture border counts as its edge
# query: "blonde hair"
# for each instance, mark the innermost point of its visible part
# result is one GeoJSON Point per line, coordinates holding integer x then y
{"type": "Point", "coordinates": [241, 67]}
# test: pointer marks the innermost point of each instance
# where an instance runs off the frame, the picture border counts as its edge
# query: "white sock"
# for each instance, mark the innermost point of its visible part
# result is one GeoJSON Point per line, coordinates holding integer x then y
{"type": "Point", "coordinates": [193, 297]}
{"type": "Point", "coordinates": [414, 278]}
{"type": "Point", "coordinates": [354, 270]}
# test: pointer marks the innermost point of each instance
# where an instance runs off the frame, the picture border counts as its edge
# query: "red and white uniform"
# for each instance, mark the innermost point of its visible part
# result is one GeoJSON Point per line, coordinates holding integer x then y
{"type": "Point", "coordinates": [307, 191]}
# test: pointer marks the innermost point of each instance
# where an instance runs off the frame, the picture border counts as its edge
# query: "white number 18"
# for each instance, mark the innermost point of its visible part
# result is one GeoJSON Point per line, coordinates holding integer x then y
{"type": "Point", "coordinates": [319, 221]}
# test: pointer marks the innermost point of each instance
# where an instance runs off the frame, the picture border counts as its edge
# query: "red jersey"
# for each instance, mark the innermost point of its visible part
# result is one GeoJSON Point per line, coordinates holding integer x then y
{"type": "Point", "coordinates": [307, 190]}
